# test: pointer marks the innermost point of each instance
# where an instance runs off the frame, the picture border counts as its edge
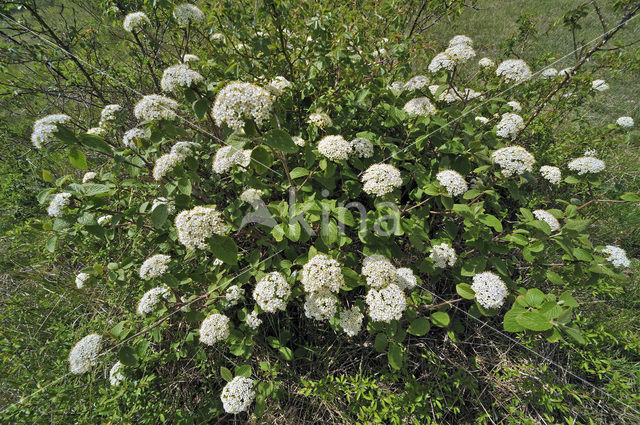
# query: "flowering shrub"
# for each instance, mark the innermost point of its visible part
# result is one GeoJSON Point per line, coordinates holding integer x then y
{"type": "Point", "coordinates": [393, 210]}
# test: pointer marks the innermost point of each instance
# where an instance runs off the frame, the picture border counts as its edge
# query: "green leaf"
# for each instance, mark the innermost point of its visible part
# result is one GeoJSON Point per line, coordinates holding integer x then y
{"type": "Point", "coordinates": [568, 299]}
{"type": "Point", "coordinates": [581, 254]}
{"type": "Point", "coordinates": [47, 176]}
{"type": "Point", "coordinates": [465, 291]}
{"type": "Point", "coordinates": [534, 321]}
{"type": "Point", "coordinates": [127, 356]}
{"type": "Point", "coordinates": [77, 159]}
{"type": "Point", "coordinates": [555, 278]}
{"type": "Point", "coordinates": [51, 243]}
{"type": "Point", "coordinates": [280, 141]}
{"type": "Point", "coordinates": [224, 248]}
{"type": "Point", "coordinates": [419, 326]}
{"type": "Point", "coordinates": [226, 374]}
{"type": "Point", "coordinates": [380, 343]}
{"type": "Point", "coordinates": [535, 297]}
{"type": "Point", "coordinates": [261, 159]}
{"type": "Point", "coordinates": [298, 172]}
{"type": "Point", "coordinates": [159, 215]}
{"type": "Point", "coordinates": [575, 334]}
{"type": "Point", "coordinates": [286, 353]}
{"type": "Point", "coordinates": [630, 197]}
{"type": "Point", "coordinates": [395, 356]}
{"type": "Point", "coordinates": [510, 320]}
{"type": "Point", "coordinates": [243, 370]}
{"type": "Point", "coordinates": [200, 107]}
{"type": "Point", "coordinates": [184, 185]}
{"type": "Point", "coordinates": [491, 221]}
{"type": "Point", "coordinates": [441, 319]}
{"type": "Point", "coordinates": [95, 143]}
{"type": "Point", "coordinates": [117, 329]}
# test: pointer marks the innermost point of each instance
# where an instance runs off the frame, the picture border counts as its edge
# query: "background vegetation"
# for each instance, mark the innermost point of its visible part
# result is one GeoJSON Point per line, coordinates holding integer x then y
{"type": "Point", "coordinates": [478, 375]}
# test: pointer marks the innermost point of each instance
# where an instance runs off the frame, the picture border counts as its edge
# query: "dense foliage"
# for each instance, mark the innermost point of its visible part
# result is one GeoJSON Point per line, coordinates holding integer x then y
{"type": "Point", "coordinates": [276, 187]}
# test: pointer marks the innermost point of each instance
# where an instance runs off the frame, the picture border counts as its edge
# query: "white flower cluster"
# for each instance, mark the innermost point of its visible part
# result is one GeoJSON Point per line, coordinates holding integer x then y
{"type": "Point", "coordinates": [322, 272]}
{"type": "Point", "coordinates": [252, 320]}
{"type": "Point", "coordinates": [154, 266]}
{"type": "Point", "coordinates": [565, 71]}
{"type": "Point", "coordinates": [320, 305]}
{"type": "Point", "coordinates": [586, 164]}
{"type": "Point", "coordinates": [548, 218]}
{"type": "Point", "coordinates": [85, 353]}
{"type": "Point", "coordinates": [59, 202]}
{"type": "Point", "coordinates": [218, 37]}
{"type": "Point", "coordinates": [152, 298]}
{"type": "Point", "coordinates": [482, 120]}
{"type": "Point", "coordinates": [135, 21]}
{"type": "Point", "coordinates": [405, 279]}
{"type": "Point", "coordinates": [115, 374]}
{"type": "Point", "coordinates": [299, 141]}
{"type": "Point", "coordinates": [513, 160]}
{"type": "Point", "coordinates": [184, 148]}
{"type": "Point", "coordinates": [452, 181]}
{"type": "Point", "coordinates": [443, 255]}
{"type": "Point", "coordinates": [486, 63]}
{"type": "Point", "coordinates": [552, 174]}
{"type": "Point", "coordinates": [190, 58]}
{"type": "Point", "coordinates": [460, 39]}
{"type": "Point", "coordinates": [599, 85]}
{"type": "Point", "coordinates": [238, 395]}
{"type": "Point", "coordinates": [549, 73]}
{"type": "Point", "coordinates": [251, 195]}
{"type": "Point", "coordinates": [165, 164]}
{"type": "Point", "coordinates": [515, 105]}
{"type": "Point", "coordinates": [45, 128]}
{"type": "Point", "coordinates": [238, 101]}
{"type": "Point", "coordinates": [351, 320]}
{"type": "Point", "coordinates": [233, 295]}
{"type": "Point", "coordinates": [509, 126]}
{"type": "Point", "coordinates": [617, 256]}
{"type": "Point", "coordinates": [97, 131]}
{"type": "Point", "coordinates": [197, 225]}
{"type": "Point", "coordinates": [187, 13]}
{"type": "Point", "coordinates": [415, 83]}
{"type": "Point", "coordinates": [272, 292]}
{"type": "Point", "coordinates": [278, 85]}
{"type": "Point", "coordinates": [396, 85]}
{"type": "Point", "coordinates": [155, 107]}
{"type": "Point", "coordinates": [132, 136]}
{"type": "Point", "coordinates": [320, 120]}
{"type": "Point", "coordinates": [362, 147]}
{"type": "Point", "coordinates": [178, 76]}
{"type": "Point", "coordinates": [81, 279]}
{"type": "Point", "coordinates": [386, 304]}
{"type": "Point", "coordinates": [625, 122]}
{"type": "Point", "coordinates": [109, 114]}
{"type": "Point", "coordinates": [514, 71]}
{"type": "Point", "coordinates": [228, 156]}
{"type": "Point", "coordinates": [335, 148]}
{"type": "Point", "coordinates": [214, 328]}
{"type": "Point", "coordinates": [380, 179]}
{"type": "Point", "coordinates": [420, 106]}
{"type": "Point", "coordinates": [441, 61]}
{"type": "Point", "coordinates": [88, 177]}
{"type": "Point", "coordinates": [105, 219]}
{"type": "Point", "coordinates": [385, 298]}
{"type": "Point", "coordinates": [379, 271]}
{"type": "Point", "coordinates": [490, 290]}
{"type": "Point", "coordinates": [460, 53]}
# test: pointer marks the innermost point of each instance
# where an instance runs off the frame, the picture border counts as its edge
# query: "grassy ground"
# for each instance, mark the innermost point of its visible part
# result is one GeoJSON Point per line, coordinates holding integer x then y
{"type": "Point", "coordinates": [506, 388]}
